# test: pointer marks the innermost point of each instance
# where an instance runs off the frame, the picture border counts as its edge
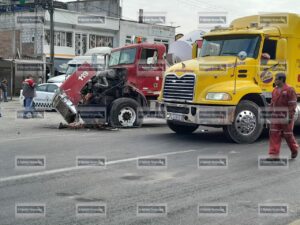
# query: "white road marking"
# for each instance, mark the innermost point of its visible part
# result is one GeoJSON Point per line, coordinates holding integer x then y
{"type": "Point", "coordinates": [62, 170]}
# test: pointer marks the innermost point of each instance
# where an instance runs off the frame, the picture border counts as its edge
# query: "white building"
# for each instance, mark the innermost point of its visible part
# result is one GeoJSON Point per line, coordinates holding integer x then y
{"type": "Point", "coordinates": [148, 32]}
{"type": "Point", "coordinates": [26, 35]}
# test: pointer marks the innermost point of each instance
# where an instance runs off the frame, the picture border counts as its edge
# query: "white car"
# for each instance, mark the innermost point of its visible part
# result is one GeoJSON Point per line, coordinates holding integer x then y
{"type": "Point", "coordinates": [44, 96]}
{"type": "Point", "coordinates": [101, 53]}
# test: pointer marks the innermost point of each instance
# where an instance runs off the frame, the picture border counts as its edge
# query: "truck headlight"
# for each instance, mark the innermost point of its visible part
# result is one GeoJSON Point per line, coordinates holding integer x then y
{"type": "Point", "coordinates": [218, 96]}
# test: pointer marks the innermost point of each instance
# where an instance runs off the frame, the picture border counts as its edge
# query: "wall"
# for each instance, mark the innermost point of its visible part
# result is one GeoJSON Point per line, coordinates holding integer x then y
{"type": "Point", "coordinates": [79, 23]}
{"type": "Point", "coordinates": [148, 31]}
{"type": "Point", "coordinates": [109, 8]}
{"type": "Point", "coordinates": [6, 43]}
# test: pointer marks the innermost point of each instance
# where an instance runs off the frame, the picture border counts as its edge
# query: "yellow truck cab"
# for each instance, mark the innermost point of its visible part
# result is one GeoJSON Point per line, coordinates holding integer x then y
{"type": "Point", "coordinates": [232, 80]}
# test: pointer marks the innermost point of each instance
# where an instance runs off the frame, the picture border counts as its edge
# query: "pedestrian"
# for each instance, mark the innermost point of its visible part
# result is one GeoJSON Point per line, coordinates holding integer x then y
{"type": "Point", "coordinates": [283, 97]}
{"type": "Point", "coordinates": [4, 89]}
{"type": "Point", "coordinates": [28, 93]}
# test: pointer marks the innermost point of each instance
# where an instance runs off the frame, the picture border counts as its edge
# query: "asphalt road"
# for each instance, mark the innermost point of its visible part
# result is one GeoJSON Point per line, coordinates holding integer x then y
{"type": "Point", "coordinates": [123, 189]}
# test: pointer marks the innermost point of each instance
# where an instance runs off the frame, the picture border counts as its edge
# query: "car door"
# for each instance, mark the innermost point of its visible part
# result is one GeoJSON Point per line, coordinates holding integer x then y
{"type": "Point", "coordinates": [39, 101]}
{"type": "Point", "coordinates": [51, 89]}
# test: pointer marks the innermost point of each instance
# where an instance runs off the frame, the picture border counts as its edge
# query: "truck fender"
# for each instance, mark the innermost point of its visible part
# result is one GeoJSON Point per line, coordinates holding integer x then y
{"type": "Point", "coordinates": [140, 97]}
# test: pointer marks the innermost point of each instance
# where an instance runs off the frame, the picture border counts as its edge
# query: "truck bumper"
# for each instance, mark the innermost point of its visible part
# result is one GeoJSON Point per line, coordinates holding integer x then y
{"type": "Point", "coordinates": [200, 114]}
{"type": "Point", "coordinates": [65, 107]}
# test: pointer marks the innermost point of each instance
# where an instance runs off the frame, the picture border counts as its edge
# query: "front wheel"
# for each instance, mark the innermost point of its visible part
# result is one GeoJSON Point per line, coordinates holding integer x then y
{"type": "Point", "coordinates": [126, 113]}
{"type": "Point", "coordinates": [246, 127]}
{"type": "Point", "coordinates": [181, 128]}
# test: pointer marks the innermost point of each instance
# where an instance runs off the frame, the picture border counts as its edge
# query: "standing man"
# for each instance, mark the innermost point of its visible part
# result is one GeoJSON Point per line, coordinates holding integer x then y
{"type": "Point", "coordinates": [283, 96]}
{"type": "Point", "coordinates": [28, 93]}
{"type": "Point", "coordinates": [4, 89]}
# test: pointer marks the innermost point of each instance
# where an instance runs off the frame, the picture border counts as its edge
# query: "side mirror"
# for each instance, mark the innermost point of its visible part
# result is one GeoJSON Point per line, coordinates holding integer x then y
{"type": "Point", "coordinates": [281, 53]}
{"type": "Point", "coordinates": [242, 55]}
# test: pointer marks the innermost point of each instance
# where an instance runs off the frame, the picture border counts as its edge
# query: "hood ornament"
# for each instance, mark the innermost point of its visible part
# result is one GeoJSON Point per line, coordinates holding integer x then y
{"type": "Point", "coordinates": [183, 65]}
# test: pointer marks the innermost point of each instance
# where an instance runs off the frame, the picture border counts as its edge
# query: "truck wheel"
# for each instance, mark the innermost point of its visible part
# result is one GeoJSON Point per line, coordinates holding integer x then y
{"type": "Point", "coordinates": [180, 128]}
{"type": "Point", "coordinates": [246, 127]}
{"type": "Point", "coordinates": [125, 113]}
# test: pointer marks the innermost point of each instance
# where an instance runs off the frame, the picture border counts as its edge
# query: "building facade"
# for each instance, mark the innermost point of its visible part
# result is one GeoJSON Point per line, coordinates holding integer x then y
{"type": "Point", "coordinates": [26, 36]}
{"type": "Point", "coordinates": [110, 8]}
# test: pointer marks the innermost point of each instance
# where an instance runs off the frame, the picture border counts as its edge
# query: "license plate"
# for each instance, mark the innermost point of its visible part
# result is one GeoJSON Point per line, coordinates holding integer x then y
{"type": "Point", "coordinates": [178, 117]}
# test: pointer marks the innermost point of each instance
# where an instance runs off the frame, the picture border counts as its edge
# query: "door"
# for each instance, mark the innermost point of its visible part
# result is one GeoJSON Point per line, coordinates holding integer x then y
{"type": "Point", "coordinates": [51, 89]}
{"type": "Point", "coordinates": [40, 100]}
{"type": "Point", "coordinates": [80, 44]}
{"type": "Point", "coordinates": [150, 70]}
{"type": "Point", "coordinates": [269, 66]}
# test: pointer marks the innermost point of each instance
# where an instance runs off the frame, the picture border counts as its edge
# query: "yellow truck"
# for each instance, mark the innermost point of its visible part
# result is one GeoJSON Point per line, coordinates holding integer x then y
{"type": "Point", "coordinates": [231, 83]}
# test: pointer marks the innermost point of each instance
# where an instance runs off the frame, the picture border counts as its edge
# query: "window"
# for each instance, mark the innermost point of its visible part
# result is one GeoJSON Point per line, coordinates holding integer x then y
{"type": "Point", "coordinates": [80, 44]}
{"type": "Point", "coordinates": [69, 39]}
{"type": "Point", "coordinates": [52, 88]}
{"type": "Point", "coordinates": [124, 56]}
{"type": "Point", "coordinates": [100, 41]}
{"type": "Point", "coordinates": [270, 48]}
{"type": "Point", "coordinates": [57, 38]}
{"type": "Point", "coordinates": [149, 56]}
{"type": "Point", "coordinates": [77, 44]}
{"type": "Point", "coordinates": [128, 39]}
{"type": "Point", "coordinates": [84, 43]}
{"type": "Point", "coordinates": [41, 88]}
{"type": "Point", "coordinates": [231, 45]}
{"type": "Point", "coordinates": [61, 38]}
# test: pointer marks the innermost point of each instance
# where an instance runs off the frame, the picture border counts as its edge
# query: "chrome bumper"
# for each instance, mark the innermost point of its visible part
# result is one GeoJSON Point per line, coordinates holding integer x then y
{"type": "Point", "coordinates": [65, 107]}
{"type": "Point", "coordinates": [200, 114]}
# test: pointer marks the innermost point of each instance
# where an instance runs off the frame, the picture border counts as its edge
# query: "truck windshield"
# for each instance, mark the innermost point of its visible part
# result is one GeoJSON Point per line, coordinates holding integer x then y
{"type": "Point", "coordinates": [231, 45]}
{"type": "Point", "coordinates": [122, 57]}
{"type": "Point", "coordinates": [71, 69]}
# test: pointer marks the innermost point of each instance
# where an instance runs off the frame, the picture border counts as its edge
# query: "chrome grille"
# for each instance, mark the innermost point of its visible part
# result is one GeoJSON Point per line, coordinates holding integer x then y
{"type": "Point", "coordinates": [179, 88]}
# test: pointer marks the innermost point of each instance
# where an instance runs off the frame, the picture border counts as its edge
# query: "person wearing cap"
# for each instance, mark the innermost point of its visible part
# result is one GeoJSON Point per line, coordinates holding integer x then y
{"type": "Point", "coordinates": [283, 97]}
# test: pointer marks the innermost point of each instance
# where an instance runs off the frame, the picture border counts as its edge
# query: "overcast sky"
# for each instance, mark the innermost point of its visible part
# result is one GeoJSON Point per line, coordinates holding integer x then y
{"type": "Point", "coordinates": [183, 13]}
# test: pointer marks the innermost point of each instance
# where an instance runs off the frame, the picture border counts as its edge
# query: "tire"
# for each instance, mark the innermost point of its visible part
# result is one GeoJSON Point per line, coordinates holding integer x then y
{"type": "Point", "coordinates": [248, 130]}
{"type": "Point", "coordinates": [125, 113]}
{"type": "Point", "coordinates": [182, 128]}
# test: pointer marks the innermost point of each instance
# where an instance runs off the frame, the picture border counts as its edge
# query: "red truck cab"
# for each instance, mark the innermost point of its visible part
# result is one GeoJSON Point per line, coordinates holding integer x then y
{"type": "Point", "coordinates": [145, 64]}
{"type": "Point", "coordinates": [122, 94]}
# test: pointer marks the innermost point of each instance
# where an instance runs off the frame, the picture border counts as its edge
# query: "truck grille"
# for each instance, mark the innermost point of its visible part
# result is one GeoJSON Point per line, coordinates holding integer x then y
{"type": "Point", "coordinates": [179, 88]}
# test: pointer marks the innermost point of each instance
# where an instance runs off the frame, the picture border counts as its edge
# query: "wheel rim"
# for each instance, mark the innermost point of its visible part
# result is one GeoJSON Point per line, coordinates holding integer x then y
{"type": "Point", "coordinates": [127, 117]}
{"type": "Point", "coordinates": [245, 122]}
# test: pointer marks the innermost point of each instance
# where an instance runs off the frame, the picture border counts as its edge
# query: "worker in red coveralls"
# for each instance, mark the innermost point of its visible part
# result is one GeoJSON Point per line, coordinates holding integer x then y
{"type": "Point", "coordinates": [283, 96]}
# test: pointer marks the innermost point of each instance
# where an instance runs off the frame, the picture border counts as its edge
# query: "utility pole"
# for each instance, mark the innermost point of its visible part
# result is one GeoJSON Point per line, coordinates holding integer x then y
{"type": "Point", "coordinates": [51, 12]}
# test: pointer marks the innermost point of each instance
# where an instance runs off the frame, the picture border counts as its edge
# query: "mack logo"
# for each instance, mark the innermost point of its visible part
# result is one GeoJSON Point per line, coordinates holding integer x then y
{"type": "Point", "coordinates": [83, 75]}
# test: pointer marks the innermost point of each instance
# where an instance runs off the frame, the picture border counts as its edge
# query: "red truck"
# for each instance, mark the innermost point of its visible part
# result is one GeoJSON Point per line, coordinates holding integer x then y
{"type": "Point", "coordinates": [119, 96]}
